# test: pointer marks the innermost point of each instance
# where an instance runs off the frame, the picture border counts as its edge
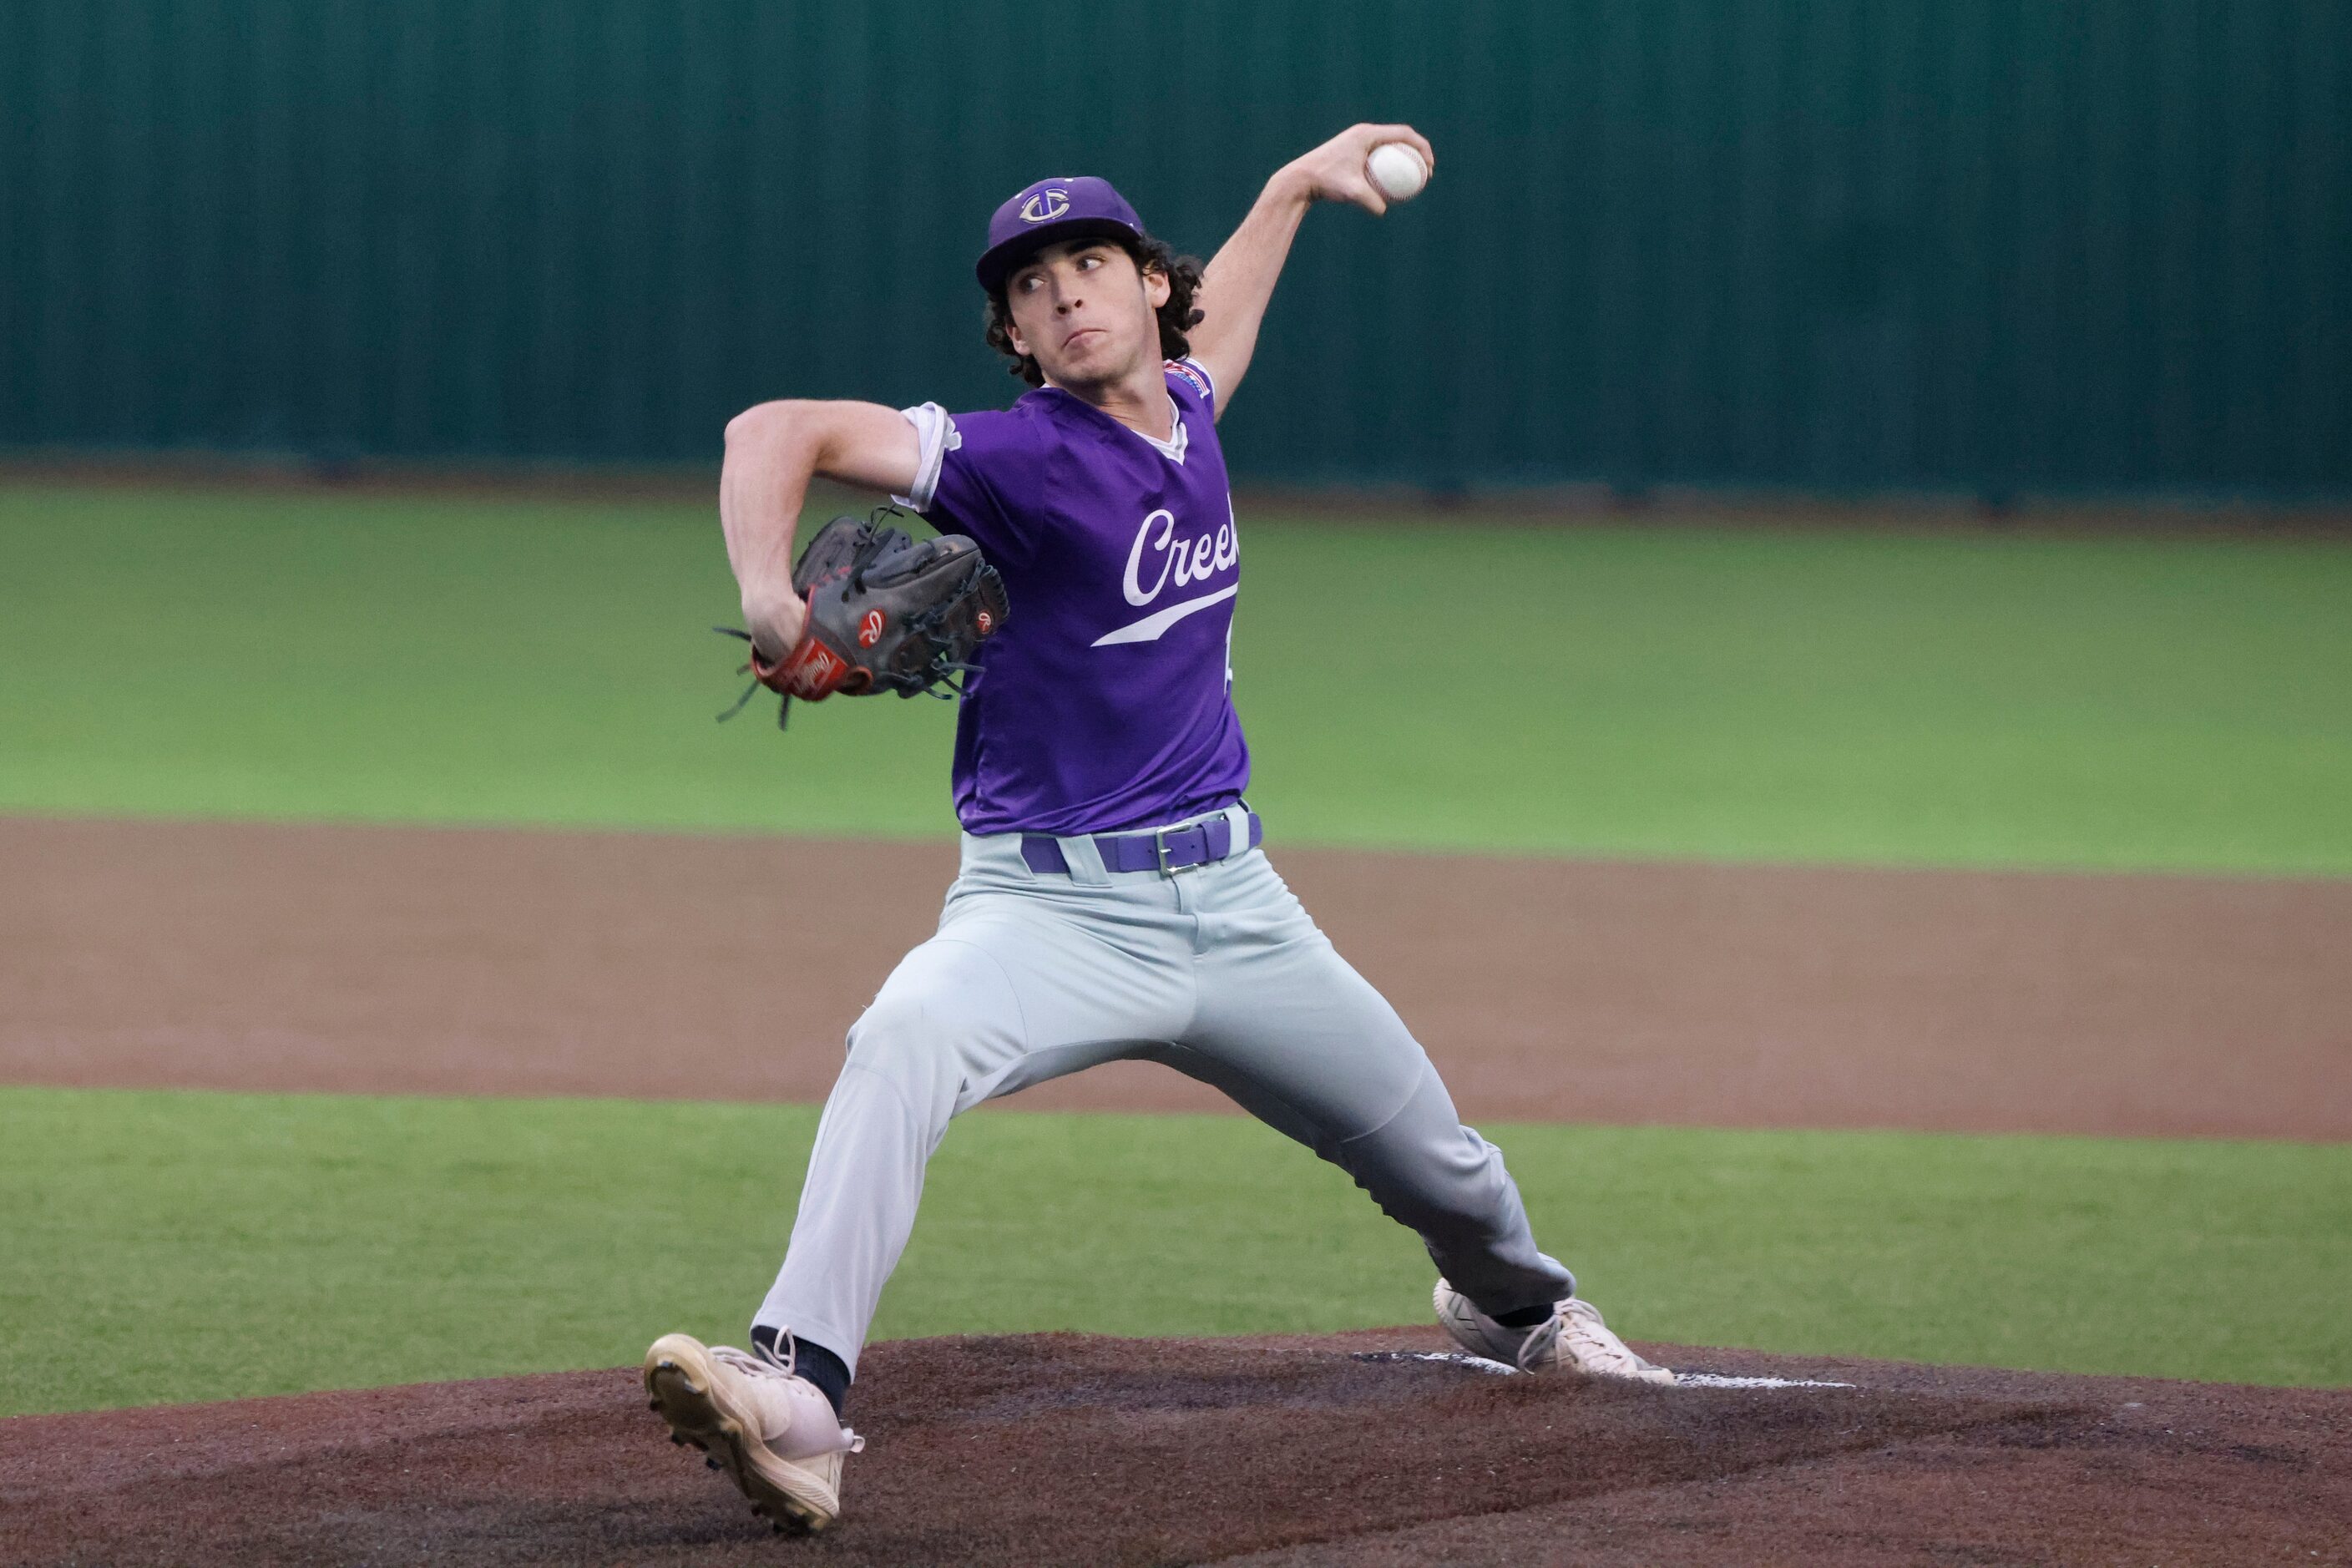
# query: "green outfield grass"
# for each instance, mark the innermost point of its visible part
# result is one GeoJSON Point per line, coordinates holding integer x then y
{"type": "Point", "coordinates": [160, 1246]}
{"type": "Point", "coordinates": [1749, 695]}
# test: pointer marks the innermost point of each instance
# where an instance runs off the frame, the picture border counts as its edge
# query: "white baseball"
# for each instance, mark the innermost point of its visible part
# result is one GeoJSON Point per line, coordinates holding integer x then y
{"type": "Point", "coordinates": [1397, 169]}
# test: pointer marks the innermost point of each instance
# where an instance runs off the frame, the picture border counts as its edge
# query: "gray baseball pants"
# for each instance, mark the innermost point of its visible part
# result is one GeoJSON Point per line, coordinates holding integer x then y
{"type": "Point", "coordinates": [1216, 971]}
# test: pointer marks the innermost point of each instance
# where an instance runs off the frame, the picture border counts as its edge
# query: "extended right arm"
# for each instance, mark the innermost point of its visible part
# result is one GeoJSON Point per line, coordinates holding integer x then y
{"type": "Point", "coordinates": [774, 450]}
{"type": "Point", "coordinates": [1241, 277]}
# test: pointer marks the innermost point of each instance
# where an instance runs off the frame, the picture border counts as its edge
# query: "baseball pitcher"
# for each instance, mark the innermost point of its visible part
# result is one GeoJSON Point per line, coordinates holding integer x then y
{"type": "Point", "coordinates": [1114, 901]}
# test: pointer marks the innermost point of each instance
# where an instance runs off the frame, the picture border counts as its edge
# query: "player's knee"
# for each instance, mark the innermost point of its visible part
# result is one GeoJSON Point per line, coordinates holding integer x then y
{"type": "Point", "coordinates": [925, 1033]}
{"type": "Point", "coordinates": [896, 1038]}
{"type": "Point", "coordinates": [896, 1044]}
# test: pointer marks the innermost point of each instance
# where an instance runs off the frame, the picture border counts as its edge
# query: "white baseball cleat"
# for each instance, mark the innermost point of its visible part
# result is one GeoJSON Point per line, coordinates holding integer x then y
{"type": "Point", "coordinates": [1573, 1339]}
{"type": "Point", "coordinates": [773, 1433]}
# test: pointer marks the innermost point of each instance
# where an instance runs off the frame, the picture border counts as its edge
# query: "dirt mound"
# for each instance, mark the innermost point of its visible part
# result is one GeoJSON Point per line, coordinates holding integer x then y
{"type": "Point", "coordinates": [1056, 1448]}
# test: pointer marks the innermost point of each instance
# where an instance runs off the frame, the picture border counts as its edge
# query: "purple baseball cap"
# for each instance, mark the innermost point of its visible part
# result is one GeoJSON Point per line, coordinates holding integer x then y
{"type": "Point", "coordinates": [1077, 206]}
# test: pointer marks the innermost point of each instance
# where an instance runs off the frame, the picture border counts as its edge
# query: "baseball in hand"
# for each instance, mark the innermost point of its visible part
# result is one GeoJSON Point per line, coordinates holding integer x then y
{"type": "Point", "coordinates": [1397, 169]}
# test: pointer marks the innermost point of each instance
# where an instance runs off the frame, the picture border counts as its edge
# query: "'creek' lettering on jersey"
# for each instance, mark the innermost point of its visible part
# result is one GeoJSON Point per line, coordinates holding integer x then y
{"type": "Point", "coordinates": [1189, 561]}
{"type": "Point", "coordinates": [1104, 702]}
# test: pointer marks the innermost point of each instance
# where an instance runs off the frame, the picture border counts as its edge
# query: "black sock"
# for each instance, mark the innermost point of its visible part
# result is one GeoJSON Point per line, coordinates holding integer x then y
{"type": "Point", "coordinates": [1525, 1318]}
{"type": "Point", "coordinates": [810, 1360]}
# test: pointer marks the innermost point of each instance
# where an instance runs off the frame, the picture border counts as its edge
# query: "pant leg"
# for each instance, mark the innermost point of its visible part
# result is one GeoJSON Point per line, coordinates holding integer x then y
{"type": "Point", "coordinates": [1019, 986]}
{"type": "Point", "coordinates": [1290, 1030]}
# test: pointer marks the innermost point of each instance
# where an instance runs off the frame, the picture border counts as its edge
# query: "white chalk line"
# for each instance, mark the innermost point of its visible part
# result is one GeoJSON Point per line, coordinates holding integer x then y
{"type": "Point", "coordinates": [1681, 1379]}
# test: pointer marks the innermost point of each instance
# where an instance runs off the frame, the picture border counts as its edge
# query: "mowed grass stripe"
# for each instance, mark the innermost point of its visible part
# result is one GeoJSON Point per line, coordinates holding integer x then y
{"type": "Point", "coordinates": [1969, 700]}
{"type": "Point", "coordinates": [160, 1246]}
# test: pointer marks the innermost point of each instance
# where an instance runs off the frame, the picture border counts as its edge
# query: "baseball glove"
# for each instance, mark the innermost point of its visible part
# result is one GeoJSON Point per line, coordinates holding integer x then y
{"type": "Point", "coordinates": [884, 614]}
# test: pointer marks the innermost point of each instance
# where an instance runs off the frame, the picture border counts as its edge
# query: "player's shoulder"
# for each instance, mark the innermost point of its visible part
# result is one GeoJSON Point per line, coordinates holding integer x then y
{"type": "Point", "coordinates": [986, 430]}
{"type": "Point", "coordinates": [1187, 377]}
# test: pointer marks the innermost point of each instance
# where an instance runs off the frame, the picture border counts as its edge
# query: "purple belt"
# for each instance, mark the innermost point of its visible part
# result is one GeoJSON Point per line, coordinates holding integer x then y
{"type": "Point", "coordinates": [1170, 849]}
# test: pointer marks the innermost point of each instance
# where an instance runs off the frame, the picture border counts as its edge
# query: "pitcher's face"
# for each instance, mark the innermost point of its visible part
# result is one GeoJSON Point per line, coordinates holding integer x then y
{"type": "Point", "coordinates": [1084, 312]}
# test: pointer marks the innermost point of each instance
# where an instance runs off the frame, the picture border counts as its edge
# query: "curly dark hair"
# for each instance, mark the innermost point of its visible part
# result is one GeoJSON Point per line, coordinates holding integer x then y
{"type": "Point", "coordinates": [1177, 317]}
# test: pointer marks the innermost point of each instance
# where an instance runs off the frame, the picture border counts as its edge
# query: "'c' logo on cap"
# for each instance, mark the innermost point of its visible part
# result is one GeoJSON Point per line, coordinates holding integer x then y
{"type": "Point", "coordinates": [1045, 205]}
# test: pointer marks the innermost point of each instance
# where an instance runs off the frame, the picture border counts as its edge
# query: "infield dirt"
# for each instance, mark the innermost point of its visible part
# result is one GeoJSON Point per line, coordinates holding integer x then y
{"type": "Point", "coordinates": [476, 962]}
{"type": "Point", "coordinates": [1061, 1449]}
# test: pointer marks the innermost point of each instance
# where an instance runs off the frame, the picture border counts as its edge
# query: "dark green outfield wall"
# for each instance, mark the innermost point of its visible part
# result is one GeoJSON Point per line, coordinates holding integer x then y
{"type": "Point", "coordinates": [1938, 242]}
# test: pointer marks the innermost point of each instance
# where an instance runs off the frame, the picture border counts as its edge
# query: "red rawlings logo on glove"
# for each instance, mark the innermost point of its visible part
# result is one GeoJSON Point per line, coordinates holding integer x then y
{"type": "Point", "coordinates": [813, 671]}
{"type": "Point", "coordinates": [810, 672]}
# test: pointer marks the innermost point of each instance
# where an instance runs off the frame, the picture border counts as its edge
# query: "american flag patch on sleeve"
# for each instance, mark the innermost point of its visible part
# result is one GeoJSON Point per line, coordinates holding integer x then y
{"type": "Point", "coordinates": [1197, 376]}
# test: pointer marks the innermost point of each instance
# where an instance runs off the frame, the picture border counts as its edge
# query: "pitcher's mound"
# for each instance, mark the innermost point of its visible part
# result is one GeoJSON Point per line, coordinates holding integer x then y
{"type": "Point", "coordinates": [1363, 1448]}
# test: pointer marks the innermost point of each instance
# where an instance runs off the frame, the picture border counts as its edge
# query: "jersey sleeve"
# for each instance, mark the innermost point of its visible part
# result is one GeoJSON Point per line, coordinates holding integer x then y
{"type": "Point", "coordinates": [970, 464]}
{"type": "Point", "coordinates": [1187, 377]}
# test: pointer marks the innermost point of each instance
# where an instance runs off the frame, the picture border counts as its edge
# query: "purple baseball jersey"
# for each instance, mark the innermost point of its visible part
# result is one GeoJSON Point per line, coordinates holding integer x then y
{"type": "Point", "coordinates": [1104, 702]}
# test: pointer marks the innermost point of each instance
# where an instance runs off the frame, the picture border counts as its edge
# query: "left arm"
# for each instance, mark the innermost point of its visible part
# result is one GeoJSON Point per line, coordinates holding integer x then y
{"type": "Point", "coordinates": [1241, 277]}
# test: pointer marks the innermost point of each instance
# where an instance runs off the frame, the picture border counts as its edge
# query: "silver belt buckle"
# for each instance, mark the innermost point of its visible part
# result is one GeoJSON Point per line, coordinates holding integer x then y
{"type": "Point", "coordinates": [1159, 852]}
